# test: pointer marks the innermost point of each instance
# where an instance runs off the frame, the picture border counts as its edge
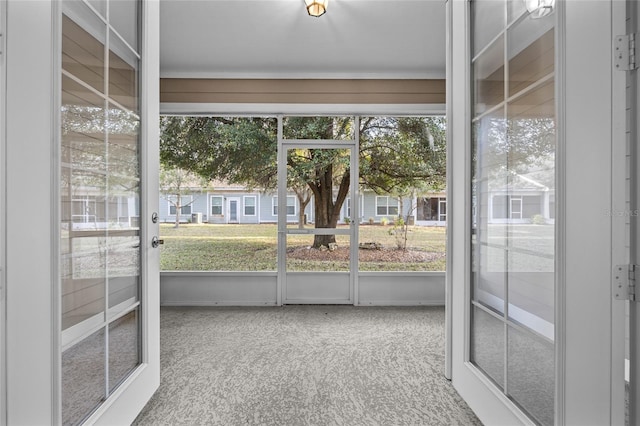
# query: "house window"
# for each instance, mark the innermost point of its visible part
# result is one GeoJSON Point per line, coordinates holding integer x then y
{"type": "Point", "coordinates": [348, 202]}
{"type": "Point", "coordinates": [216, 205]}
{"type": "Point", "coordinates": [185, 200]}
{"type": "Point", "coordinates": [386, 206]}
{"type": "Point", "coordinates": [531, 206]}
{"type": "Point", "coordinates": [250, 205]}
{"type": "Point", "coordinates": [500, 207]}
{"type": "Point", "coordinates": [431, 208]}
{"type": "Point", "coordinates": [291, 205]}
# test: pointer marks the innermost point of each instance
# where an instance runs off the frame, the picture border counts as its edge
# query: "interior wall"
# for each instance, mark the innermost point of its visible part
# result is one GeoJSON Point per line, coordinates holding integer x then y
{"type": "Point", "coordinates": [302, 91]}
{"type": "Point", "coordinates": [30, 260]}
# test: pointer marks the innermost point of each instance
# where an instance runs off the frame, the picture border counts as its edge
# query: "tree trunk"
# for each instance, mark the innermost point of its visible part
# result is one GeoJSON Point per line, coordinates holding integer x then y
{"type": "Point", "coordinates": [323, 240]}
{"type": "Point", "coordinates": [327, 212]}
{"type": "Point", "coordinates": [304, 197]}
{"type": "Point", "coordinates": [324, 221]}
{"type": "Point", "coordinates": [178, 209]}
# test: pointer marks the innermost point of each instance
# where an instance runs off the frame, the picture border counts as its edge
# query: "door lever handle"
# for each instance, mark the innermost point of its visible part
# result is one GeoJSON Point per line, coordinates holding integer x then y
{"type": "Point", "coordinates": [155, 242]}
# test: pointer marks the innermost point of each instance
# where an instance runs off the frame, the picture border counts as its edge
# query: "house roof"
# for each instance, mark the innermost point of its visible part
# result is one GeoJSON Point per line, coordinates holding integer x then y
{"type": "Point", "coordinates": [530, 181]}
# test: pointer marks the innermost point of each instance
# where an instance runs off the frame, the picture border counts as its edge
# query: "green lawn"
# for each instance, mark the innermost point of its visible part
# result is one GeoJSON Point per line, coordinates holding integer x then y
{"type": "Point", "coordinates": [209, 247]}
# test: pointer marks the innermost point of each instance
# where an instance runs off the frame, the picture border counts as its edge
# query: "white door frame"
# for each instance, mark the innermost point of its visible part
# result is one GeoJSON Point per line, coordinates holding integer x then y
{"type": "Point", "coordinates": [283, 231]}
{"type": "Point", "coordinates": [237, 201]}
{"type": "Point", "coordinates": [586, 115]}
{"type": "Point", "coordinates": [124, 405]}
{"type": "Point", "coordinates": [517, 200]}
{"type": "Point", "coordinates": [488, 402]}
{"type": "Point", "coordinates": [629, 221]}
{"type": "Point", "coordinates": [3, 299]}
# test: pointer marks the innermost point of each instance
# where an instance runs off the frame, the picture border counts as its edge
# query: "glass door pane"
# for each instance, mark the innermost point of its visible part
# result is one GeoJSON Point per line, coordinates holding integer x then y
{"type": "Point", "coordinates": [531, 260]}
{"type": "Point", "coordinates": [489, 21]}
{"type": "Point", "coordinates": [402, 173]}
{"type": "Point", "coordinates": [318, 186]}
{"type": "Point", "coordinates": [513, 193]}
{"type": "Point", "coordinates": [318, 256]}
{"type": "Point", "coordinates": [100, 189]}
{"type": "Point", "coordinates": [83, 239]}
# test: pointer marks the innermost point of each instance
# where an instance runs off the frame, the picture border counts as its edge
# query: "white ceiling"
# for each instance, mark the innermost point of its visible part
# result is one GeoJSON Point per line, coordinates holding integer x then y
{"type": "Point", "coordinates": [277, 39]}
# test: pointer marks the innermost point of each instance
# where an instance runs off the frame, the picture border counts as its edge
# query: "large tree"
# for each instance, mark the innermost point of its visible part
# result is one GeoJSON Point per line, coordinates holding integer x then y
{"type": "Point", "coordinates": [395, 154]}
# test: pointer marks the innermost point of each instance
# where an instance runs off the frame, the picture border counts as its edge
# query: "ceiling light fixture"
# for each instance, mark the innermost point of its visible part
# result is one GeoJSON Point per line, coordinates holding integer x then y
{"type": "Point", "coordinates": [316, 8]}
{"type": "Point", "coordinates": [540, 8]}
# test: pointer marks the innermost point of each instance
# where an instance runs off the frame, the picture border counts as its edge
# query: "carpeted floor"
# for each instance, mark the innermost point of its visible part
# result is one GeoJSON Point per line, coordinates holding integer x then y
{"type": "Point", "coordinates": [304, 365]}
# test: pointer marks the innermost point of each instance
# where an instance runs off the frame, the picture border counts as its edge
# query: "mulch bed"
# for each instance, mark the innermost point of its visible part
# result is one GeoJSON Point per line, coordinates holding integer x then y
{"type": "Point", "coordinates": [381, 255]}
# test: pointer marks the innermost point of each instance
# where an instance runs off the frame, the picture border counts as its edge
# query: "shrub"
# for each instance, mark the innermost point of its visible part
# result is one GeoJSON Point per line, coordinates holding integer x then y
{"type": "Point", "coordinates": [347, 220]}
{"type": "Point", "coordinates": [400, 231]}
{"type": "Point", "coordinates": [537, 219]}
{"type": "Point", "coordinates": [384, 221]}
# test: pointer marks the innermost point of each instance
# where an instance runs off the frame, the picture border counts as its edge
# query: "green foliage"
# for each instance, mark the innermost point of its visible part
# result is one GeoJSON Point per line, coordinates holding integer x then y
{"type": "Point", "coordinates": [538, 219]}
{"type": "Point", "coordinates": [518, 145]}
{"type": "Point", "coordinates": [400, 155]}
{"type": "Point", "coordinates": [236, 150]}
{"type": "Point", "coordinates": [318, 128]}
{"type": "Point", "coordinates": [174, 180]}
{"type": "Point", "coordinates": [400, 231]}
{"type": "Point", "coordinates": [384, 221]}
{"type": "Point", "coordinates": [396, 154]}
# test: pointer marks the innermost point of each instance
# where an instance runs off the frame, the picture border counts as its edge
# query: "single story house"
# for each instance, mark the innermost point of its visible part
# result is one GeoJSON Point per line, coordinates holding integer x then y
{"type": "Point", "coordinates": [228, 203]}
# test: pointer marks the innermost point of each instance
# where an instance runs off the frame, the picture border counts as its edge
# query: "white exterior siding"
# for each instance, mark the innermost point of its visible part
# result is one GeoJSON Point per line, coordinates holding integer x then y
{"type": "Point", "coordinates": [198, 204]}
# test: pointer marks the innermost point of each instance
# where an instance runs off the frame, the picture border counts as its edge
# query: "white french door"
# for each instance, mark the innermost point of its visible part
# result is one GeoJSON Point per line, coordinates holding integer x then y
{"type": "Point", "coordinates": [83, 319]}
{"type": "Point", "coordinates": [110, 337]}
{"type": "Point", "coordinates": [535, 330]}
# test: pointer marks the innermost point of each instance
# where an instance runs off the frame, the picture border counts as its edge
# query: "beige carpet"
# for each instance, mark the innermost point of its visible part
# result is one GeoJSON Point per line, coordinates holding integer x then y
{"type": "Point", "coordinates": [304, 365]}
